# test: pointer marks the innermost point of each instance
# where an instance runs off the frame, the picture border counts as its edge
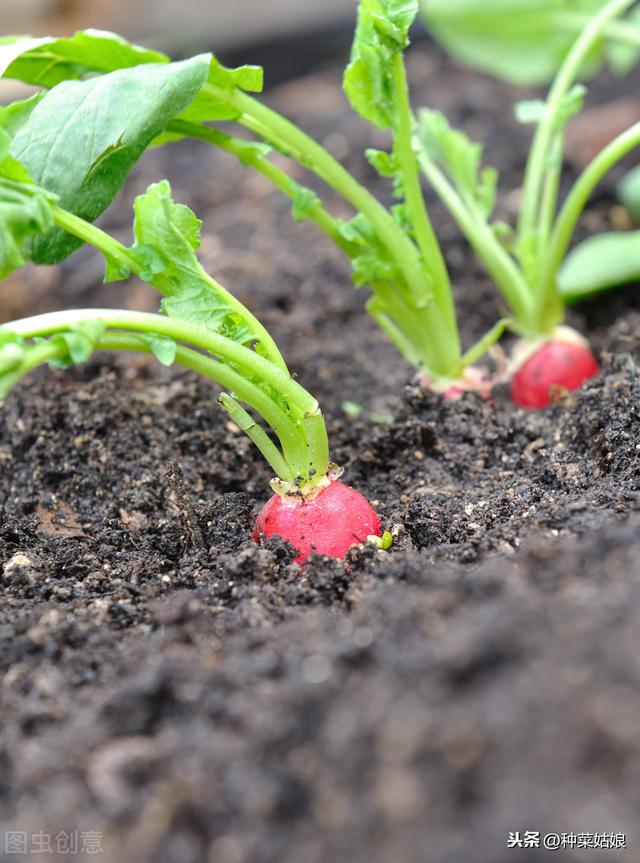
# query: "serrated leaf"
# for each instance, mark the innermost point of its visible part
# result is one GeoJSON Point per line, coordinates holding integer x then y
{"type": "Point", "coordinates": [373, 264]}
{"type": "Point", "coordinates": [382, 32]}
{"type": "Point", "coordinates": [79, 342]}
{"type": "Point", "coordinates": [48, 61]}
{"type": "Point", "coordinates": [599, 264]}
{"type": "Point", "coordinates": [303, 202]}
{"type": "Point", "coordinates": [383, 162]}
{"type": "Point", "coordinates": [172, 231]}
{"type": "Point", "coordinates": [83, 137]}
{"type": "Point", "coordinates": [402, 217]}
{"type": "Point", "coordinates": [357, 230]}
{"type": "Point", "coordinates": [197, 305]}
{"type": "Point", "coordinates": [460, 158]}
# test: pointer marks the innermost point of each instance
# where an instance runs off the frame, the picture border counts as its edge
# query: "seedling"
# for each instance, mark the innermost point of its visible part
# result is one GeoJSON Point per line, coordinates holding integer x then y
{"type": "Point", "coordinates": [393, 251]}
{"type": "Point", "coordinates": [550, 357]}
{"type": "Point", "coordinates": [536, 45]}
{"type": "Point", "coordinates": [202, 327]}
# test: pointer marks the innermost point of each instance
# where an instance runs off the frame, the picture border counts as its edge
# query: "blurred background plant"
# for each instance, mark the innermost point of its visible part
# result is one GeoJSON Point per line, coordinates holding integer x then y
{"type": "Point", "coordinates": [524, 42]}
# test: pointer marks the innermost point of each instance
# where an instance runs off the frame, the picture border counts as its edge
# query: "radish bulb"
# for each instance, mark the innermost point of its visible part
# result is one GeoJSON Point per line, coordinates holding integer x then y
{"type": "Point", "coordinates": [562, 361]}
{"type": "Point", "coordinates": [329, 520]}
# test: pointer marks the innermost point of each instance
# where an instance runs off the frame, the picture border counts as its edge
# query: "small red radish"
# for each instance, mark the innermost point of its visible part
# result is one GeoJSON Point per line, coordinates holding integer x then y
{"type": "Point", "coordinates": [329, 522]}
{"type": "Point", "coordinates": [544, 368]}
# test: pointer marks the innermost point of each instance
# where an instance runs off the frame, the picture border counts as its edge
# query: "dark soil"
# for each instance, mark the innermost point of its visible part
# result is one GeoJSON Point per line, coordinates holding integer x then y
{"type": "Point", "coordinates": [193, 697]}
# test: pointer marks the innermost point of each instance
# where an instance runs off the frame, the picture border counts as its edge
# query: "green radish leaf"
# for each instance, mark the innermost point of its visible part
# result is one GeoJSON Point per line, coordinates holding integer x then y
{"type": "Point", "coordinates": [532, 111]}
{"type": "Point", "coordinates": [25, 211]}
{"type": "Point", "coordinates": [163, 348]}
{"type": "Point", "coordinates": [79, 346]}
{"type": "Point", "coordinates": [172, 231]}
{"type": "Point", "coordinates": [373, 264]}
{"type": "Point", "coordinates": [382, 32]}
{"type": "Point", "coordinates": [48, 61]}
{"type": "Point", "coordinates": [525, 45]}
{"type": "Point", "coordinates": [599, 264]}
{"type": "Point", "coordinates": [629, 191]}
{"type": "Point", "coordinates": [81, 139]}
{"type": "Point", "coordinates": [79, 342]}
{"type": "Point", "coordinates": [304, 201]}
{"type": "Point", "coordinates": [384, 163]}
{"type": "Point", "coordinates": [212, 103]}
{"type": "Point", "coordinates": [460, 159]}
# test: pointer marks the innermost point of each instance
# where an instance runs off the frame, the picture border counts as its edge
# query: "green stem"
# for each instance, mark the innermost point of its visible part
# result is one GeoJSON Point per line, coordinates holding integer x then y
{"type": "Point", "coordinates": [115, 252]}
{"type": "Point", "coordinates": [550, 195]}
{"type": "Point", "coordinates": [422, 228]}
{"type": "Point", "coordinates": [300, 453]}
{"type": "Point", "coordinates": [573, 207]}
{"type": "Point", "coordinates": [536, 165]}
{"type": "Point", "coordinates": [257, 435]}
{"type": "Point", "coordinates": [282, 133]}
{"type": "Point", "coordinates": [441, 353]}
{"type": "Point", "coordinates": [280, 179]}
{"type": "Point", "coordinates": [481, 238]}
{"type": "Point", "coordinates": [397, 335]}
{"type": "Point", "coordinates": [487, 341]}
{"type": "Point", "coordinates": [118, 253]}
{"type": "Point", "coordinates": [36, 356]}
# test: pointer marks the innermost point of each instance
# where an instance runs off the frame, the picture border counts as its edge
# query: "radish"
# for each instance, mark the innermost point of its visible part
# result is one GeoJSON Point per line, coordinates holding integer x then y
{"type": "Point", "coordinates": [330, 520]}
{"type": "Point", "coordinates": [544, 368]}
{"type": "Point", "coordinates": [206, 329]}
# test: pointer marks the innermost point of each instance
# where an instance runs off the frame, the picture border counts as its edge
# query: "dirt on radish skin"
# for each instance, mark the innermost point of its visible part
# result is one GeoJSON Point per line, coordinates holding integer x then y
{"type": "Point", "coordinates": [330, 523]}
{"type": "Point", "coordinates": [557, 366]}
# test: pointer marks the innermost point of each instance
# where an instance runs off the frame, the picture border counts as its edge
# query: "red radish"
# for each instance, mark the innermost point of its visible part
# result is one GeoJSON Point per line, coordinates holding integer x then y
{"type": "Point", "coordinates": [329, 522]}
{"type": "Point", "coordinates": [561, 362]}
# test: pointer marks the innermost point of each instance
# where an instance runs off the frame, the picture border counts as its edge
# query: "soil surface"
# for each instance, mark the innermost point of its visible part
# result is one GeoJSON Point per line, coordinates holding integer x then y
{"type": "Point", "coordinates": [189, 696]}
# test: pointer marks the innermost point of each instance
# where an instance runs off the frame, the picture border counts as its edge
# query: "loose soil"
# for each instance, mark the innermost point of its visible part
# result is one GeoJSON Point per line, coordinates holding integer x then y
{"type": "Point", "coordinates": [194, 697]}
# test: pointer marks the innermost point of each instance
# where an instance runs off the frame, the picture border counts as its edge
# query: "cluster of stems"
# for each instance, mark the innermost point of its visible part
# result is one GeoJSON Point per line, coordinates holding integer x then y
{"type": "Point", "coordinates": [416, 310]}
{"type": "Point", "coordinates": [302, 456]}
